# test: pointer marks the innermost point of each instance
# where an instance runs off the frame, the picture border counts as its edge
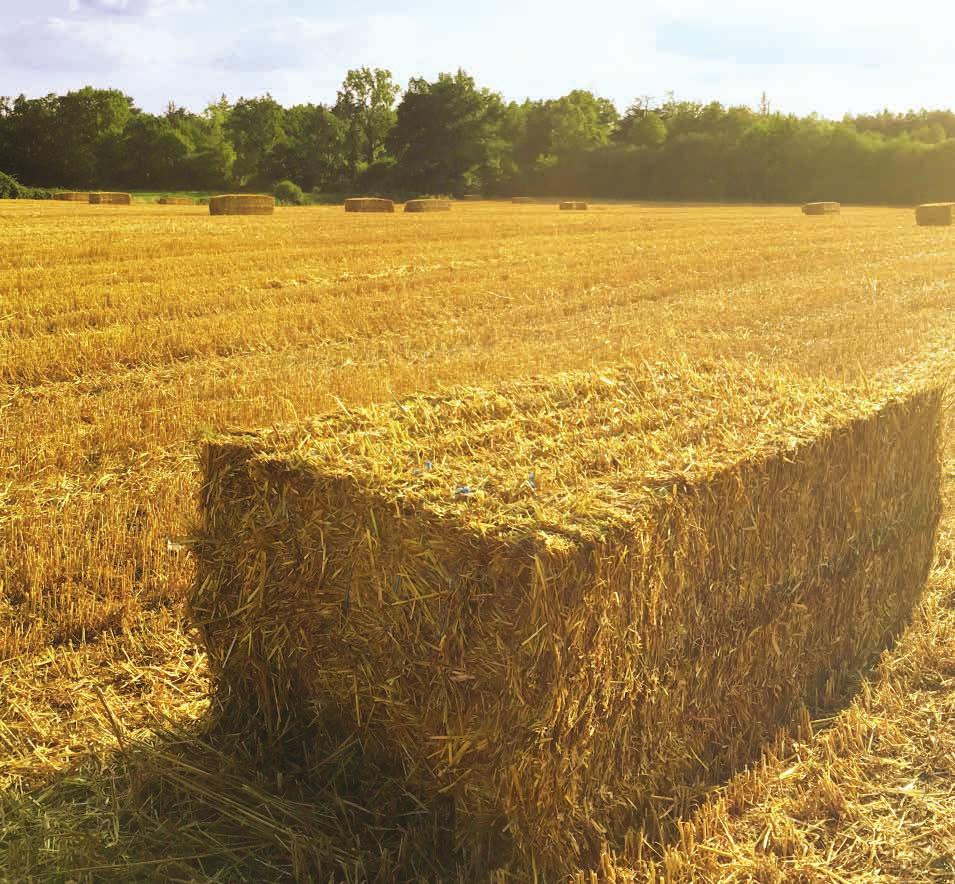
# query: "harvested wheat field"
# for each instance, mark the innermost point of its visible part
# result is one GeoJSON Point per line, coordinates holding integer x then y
{"type": "Point", "coordinates": [129, 338]}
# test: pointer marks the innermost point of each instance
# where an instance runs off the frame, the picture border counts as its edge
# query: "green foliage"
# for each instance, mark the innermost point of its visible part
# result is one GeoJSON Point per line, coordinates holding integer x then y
{"type": "Point", "coordinates": [9, 188]}
{"type": "Point", "coordinates": [210, 165]}
{"type": "Point", "coordinates": [366, 104]}
{"type": "Point", "coordinates": [313, 150]}
{"type": "Point", "coordinates": [377, 178]}
{"type": "Point", "coordinates": [157, 148]}
{"type": "Point", "coordinates": [255, 127]}
{"type": "Point", "coordinates": [288, 193]}
{"type": "Point", "coordinates": [641, 128]}
{"type": "Point", "coordinates": [90, 124]}
{"type": "Point", "coordinates": [580, 121]}
{"type": "Point", "coordinates": [447, 134]}
{"type": "Point", "coordinates": [451, 136]}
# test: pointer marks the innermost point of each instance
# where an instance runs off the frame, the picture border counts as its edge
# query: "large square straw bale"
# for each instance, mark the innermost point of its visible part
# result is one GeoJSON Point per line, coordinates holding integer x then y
{"type": "Point", "coordinates": [573, 206]}
{"type": "Point", "coordinates": [242, 204]}
{"type": "Point", "coordinates": [570, 603]}
{"type": "Point", "coordinates": [822, 208]}
{"type": "Point", "coordinates": [72, 196]}
{"type": "Point", "coordinates": [935, 214]}
{"type": "Point", "coordinates": [369, 204]}
{"type": "Point", "coordinates": [428, 205]}
{"type": "Point", "coordinates": [110, 198]}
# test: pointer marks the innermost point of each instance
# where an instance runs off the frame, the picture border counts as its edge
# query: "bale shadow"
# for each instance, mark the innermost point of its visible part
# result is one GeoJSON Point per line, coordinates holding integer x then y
{"type": "Point", "coordinates": [204, 802]}
{"type": "Point", "coordinates": [191, 806]}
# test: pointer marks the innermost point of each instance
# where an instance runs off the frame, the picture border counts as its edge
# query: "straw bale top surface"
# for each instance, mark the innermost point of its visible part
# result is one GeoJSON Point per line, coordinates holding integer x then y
{"type": "Point", "coordinates": [567, 455]}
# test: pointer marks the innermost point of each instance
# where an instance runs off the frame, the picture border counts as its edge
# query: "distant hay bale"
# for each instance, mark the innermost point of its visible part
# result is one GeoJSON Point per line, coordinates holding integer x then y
{"type": "Point", "coordinates": [935, 214]}
{"type": "Point", "coordinates": [428, 205]}
{"type": "Point", "coordinates": [822, 208]}
{"type": "Point", "coordinates": [568, 605]}
{"type": "Point", "coordinates": [522, 200]}
{"type": "Point", "coordinates": [573, 206]}
{"type": "Point", "coordinates": [110, 198]}
{"type": "Point", "coordinates": [176, 201]}
{"type": "Point", "coordinates": [369, 204]}
{"type": "Point", "coordinates": [72, 196]}
{"type": "Point", "coordinates": [242, 204]}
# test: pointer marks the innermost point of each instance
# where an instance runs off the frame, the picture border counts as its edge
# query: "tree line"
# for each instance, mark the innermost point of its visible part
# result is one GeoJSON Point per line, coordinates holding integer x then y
{"type": "Point", "coordinates": [450, 136]}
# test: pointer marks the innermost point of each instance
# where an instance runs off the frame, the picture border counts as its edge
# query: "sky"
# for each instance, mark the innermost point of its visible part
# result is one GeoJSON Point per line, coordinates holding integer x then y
{"type": "Point", "coordinates": [808, 56]}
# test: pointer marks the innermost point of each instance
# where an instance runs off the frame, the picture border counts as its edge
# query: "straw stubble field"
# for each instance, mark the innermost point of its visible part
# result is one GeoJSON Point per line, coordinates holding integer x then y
{"type": "Point", "coordinates": [126, 335]}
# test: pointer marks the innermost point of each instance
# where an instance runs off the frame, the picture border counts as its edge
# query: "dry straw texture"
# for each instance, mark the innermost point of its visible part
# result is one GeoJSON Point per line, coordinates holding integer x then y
{"type": "Point", "coordinates": [369, 204]}
{"type": "Point", "coordinates": [573, 206]}
{"type": "Point", "coordinates": [242, 204]}
{"type": "Point", "coordinates": [110, 198]}
{"type": "Point", "coordinates": [823, 208]}
{"type": "Point", "coordinates": [570, 605]}
{"type": "Point", "coordinates": [935, 214]}
{"type": "Point", "coordinates": [119, 348]}
{"type": "Point", "coordinates": [72, 196]}
{"type": "Point", "coordinates": [176, 201]}
{"type": "Point", "coordinates": [428, 205]}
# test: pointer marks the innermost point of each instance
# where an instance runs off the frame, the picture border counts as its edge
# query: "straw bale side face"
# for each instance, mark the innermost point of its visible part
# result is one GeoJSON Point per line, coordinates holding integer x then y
{"type": "Point", "coordinates": [109, 198]}
{"type": "Point", "coordinates": [71, 196]}
{"type": "Point", "coordinates": [573, 207]}
{"type": "Point", "coordinates": [935, 214]}
{"type": "Point", "coordinates": [822, 208]}
{"type": "Point", "coordinates": [562, 676]}
{"type": "Point", "coordinates": [369, 204]}
{"type": "Point", "coordinates": [428, 206]}
{"type": "Point", "coordinates": [242, 204]}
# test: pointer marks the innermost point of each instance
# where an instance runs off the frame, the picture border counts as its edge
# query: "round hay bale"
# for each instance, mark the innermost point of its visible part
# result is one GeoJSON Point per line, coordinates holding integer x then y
{"type": "Point", "coordinates": [571, 206]}
{"type": "Point", "coordinates": [823, 208]}
{"type": "Point", "coordinates": [523, 200]}
{"type": "Point", "coordinates": [175, 201]}
{"type": "Point", "coordinates": [935, 214]}
{"type": "Point", "coordinates": [242, 204]}
{"type": "Point", "coordinates": [110, 198]}
{"type": "Point", "coordinates": [368, 204]}
{"type": "Point", "coordinates": [72, 196]}
{"type": "Point", "coordinates": [428, 206]}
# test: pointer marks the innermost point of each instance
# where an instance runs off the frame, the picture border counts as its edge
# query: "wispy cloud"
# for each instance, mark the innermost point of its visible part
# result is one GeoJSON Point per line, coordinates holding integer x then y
{"type": "Point", "coordinates": [811, 55]}
{"type": "Point", "coordinates": [297, 43]}
{"type": "Point", "coordinates": [130, 8]}
{"type": "Point", "coordinates": [85, 46]}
